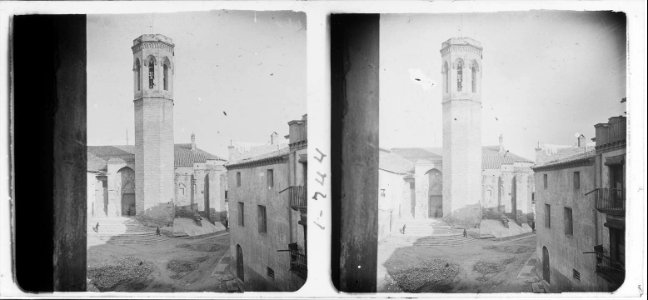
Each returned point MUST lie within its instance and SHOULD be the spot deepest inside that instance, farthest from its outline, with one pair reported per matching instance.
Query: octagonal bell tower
(462, 157)
(153, 69)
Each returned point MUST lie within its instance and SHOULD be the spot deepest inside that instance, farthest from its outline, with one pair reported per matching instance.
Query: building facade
(411, 184)
(580, 208)
(199, 185)
(396, 197)
(267, 206)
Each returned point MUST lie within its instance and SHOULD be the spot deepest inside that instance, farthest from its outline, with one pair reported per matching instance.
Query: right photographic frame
(479, 152)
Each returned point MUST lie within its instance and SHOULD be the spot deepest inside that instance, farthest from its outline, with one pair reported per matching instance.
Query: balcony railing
(297, 196)
(611, 270)
(297, 261)
(610, 201)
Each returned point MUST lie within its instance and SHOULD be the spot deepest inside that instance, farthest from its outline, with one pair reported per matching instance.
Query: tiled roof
(125, 152)
(416, 154)
(183, 155)
(260, 157)
(491, 158)
(567, 159)
(244, 151)
(549, 152)
(394, 163)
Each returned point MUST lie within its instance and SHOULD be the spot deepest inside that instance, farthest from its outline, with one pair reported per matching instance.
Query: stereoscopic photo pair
(469, 153)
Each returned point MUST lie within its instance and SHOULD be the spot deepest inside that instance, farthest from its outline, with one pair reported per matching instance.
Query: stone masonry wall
(154, 153)
(260, 249)
(565, 250)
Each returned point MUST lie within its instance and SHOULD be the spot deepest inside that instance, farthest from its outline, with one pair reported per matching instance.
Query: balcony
(610, 201)
(611, 270)
(297, 261)
(297, 196)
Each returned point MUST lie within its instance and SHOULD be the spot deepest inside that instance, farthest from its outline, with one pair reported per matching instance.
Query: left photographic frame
(172, 151)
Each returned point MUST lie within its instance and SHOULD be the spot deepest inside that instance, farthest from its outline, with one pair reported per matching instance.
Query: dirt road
(176, 264)
(478, 266)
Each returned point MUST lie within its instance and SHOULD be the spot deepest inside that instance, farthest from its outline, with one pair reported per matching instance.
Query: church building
(155, 179)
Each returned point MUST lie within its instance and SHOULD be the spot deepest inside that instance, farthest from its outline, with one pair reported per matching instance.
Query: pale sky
(546, 76)
(252, 65)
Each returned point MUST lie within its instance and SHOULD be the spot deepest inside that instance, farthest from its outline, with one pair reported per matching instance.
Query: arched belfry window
(446, 77)
(474, 68)
(460, 66)
(151, 72)
(138, 74)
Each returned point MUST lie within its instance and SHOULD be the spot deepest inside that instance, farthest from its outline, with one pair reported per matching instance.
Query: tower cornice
(461, 49)
(152, 45)
(450, 100)
(152, 97)
(156, 41)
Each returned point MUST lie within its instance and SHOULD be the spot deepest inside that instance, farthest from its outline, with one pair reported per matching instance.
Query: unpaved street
(175, 264)
(475, 266)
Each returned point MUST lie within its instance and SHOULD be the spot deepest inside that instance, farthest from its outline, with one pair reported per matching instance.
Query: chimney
(297, 130)
(274, 138)
(581, 141)
(501, 144)
(233, 152)
(193, 142)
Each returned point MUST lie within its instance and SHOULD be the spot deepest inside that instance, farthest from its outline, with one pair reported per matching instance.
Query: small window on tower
(473, 73)
(138, 74)
(446, 77)
(151, 73)
(460, 67)
(166, 77)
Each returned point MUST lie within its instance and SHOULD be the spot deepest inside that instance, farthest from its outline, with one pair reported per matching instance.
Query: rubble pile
(430, 274)
(128, 270)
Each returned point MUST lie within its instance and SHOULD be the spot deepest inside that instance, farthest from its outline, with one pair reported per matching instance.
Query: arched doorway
(206, 198)
(127, 184)
(239, 263)
(546, 275)
(435, 192)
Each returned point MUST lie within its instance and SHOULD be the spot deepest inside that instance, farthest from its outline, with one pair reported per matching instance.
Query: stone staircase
(432, 233)
(122, 231)
(430, 227)
(440, 241)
